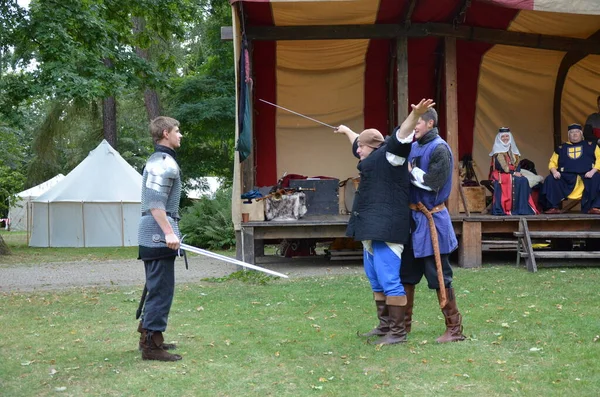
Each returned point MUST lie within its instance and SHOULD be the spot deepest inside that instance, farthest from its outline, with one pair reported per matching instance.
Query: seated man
(591, 131)
(573, 174)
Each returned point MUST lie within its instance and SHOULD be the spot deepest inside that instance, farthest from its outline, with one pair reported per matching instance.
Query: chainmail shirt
(167, 199)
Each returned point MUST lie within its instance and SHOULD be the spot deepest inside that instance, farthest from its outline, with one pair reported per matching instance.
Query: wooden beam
(469, 249)
(452, 118)
(571, 58)
(402, 78)
(461, 12)
(391, 88)
(388, 31)
(227, 33)
(409, 12)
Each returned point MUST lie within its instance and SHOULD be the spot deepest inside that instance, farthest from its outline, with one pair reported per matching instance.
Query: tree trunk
(3, 247)
(153, 109)
(109, 120)
(151, 100)
(109, 114)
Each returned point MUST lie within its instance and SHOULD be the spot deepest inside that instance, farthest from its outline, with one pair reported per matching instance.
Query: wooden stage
(471, 231)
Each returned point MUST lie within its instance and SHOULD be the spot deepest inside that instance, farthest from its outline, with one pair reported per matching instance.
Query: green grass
(529, 335)
(22, 254)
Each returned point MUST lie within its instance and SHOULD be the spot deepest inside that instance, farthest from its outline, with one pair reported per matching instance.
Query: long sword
(227, 259)
(298, 114)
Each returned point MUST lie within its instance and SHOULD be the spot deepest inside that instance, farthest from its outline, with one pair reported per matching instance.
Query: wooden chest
(475, 197)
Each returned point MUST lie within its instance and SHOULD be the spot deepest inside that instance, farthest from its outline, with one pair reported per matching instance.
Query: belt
(169, 214)
(435, 209)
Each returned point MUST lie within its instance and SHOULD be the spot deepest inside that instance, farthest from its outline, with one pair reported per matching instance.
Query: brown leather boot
(152, 350)
(453, 319)
(382, 314)
(397, 312)
(410, 300)
(143, 333)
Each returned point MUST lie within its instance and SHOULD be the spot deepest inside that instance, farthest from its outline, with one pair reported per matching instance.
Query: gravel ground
(54, 276)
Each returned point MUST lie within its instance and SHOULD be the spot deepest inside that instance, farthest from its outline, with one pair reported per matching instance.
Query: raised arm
(408, 125)
(342, 129)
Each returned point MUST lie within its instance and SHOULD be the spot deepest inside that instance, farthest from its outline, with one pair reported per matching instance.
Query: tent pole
(122, 226)
(28, 220)
(83, 222)
(452, 118)
(48, 216)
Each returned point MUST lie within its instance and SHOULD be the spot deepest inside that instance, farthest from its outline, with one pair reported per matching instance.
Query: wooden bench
(525, 246)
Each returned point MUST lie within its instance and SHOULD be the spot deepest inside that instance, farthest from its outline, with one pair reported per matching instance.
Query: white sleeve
(417, 179)
(397, 160)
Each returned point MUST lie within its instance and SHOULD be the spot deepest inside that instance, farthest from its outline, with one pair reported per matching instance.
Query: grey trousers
(160, 282)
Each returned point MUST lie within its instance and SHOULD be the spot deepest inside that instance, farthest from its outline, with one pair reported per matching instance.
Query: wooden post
(469, 249)
(452, 118)
(402, 77)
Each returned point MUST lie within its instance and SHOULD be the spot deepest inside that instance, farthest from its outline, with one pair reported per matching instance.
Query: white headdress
(501, 147)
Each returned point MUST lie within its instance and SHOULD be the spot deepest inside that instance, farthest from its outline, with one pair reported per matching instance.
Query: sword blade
(227, 259)
(298, 114)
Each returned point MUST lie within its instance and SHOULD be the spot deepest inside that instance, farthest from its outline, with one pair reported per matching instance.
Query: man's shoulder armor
(162, 165)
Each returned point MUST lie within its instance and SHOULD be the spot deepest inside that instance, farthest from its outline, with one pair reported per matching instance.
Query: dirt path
(53, 276)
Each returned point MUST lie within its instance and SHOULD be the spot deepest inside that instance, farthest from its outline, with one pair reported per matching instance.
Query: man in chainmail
(430, 166)
(158, 237)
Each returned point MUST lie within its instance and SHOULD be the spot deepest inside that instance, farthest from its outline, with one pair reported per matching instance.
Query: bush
(207, 223)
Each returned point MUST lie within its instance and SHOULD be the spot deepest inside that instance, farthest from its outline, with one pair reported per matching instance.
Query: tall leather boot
(453, 319)
(410, 300)
(397, 312)
(152, 350)
(143, 333)
(382, 314)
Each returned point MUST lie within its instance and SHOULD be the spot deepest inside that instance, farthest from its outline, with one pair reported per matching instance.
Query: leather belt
(435, 209)
(169, 214)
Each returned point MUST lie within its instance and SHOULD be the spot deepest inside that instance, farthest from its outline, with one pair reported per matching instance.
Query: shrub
(207, 223)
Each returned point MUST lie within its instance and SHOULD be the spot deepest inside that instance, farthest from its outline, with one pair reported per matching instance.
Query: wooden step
(555, 234)
(563, 254)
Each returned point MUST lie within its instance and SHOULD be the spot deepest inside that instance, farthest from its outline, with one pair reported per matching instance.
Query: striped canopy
(352, 81)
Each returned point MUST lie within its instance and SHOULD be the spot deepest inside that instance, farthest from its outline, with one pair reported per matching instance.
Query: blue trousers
(160, 282)
(383, 269)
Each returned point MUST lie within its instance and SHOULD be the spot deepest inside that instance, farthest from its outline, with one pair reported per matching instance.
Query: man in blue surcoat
(430, 165)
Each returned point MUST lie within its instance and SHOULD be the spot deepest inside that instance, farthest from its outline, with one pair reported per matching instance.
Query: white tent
(95, 205)
(20, 206)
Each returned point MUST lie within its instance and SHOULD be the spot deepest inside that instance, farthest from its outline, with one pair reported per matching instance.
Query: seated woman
(512, 194)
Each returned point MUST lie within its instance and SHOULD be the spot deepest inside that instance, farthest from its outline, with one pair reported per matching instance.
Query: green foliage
(59, 59)
(12, 178)
(203, 100)
(207, 223)
(245, 276)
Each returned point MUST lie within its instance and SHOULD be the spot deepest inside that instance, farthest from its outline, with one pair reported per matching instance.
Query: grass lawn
(529, 335)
